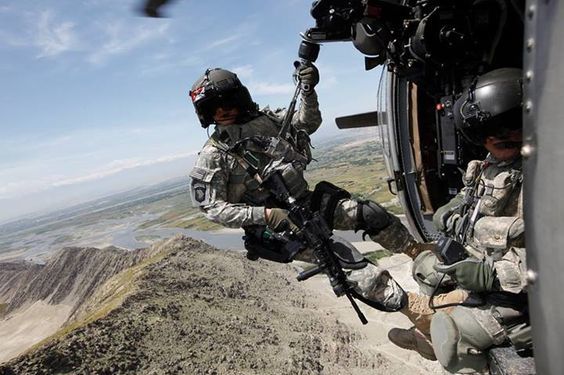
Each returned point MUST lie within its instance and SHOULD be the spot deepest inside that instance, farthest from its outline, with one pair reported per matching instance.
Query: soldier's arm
(444, 218)
(308, 116)
(209, 193)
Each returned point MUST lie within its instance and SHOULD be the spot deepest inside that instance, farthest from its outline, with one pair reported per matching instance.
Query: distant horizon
(63, 207)
(145, 177)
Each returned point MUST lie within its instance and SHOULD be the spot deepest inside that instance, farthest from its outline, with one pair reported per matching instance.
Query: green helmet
(220, 88)
(491, 107)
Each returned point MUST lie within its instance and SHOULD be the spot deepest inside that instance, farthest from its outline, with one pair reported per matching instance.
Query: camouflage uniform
(487, 218)
(497, 230)
(228, 195)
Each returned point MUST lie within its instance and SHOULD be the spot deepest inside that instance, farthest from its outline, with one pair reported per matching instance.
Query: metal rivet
(531, 276)
(529, 75)
(531, 12)
(530, 44)
(527, 150)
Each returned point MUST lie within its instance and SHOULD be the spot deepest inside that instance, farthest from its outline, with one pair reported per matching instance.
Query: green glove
(309, 77)
(277, 220)
(471, 274)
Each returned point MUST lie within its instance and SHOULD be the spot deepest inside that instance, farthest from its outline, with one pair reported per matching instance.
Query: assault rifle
(315, 234)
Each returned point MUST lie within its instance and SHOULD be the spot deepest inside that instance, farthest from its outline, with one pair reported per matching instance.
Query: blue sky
(91, 91)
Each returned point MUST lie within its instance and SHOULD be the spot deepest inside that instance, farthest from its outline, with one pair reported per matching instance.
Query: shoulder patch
(200, 193)
(200, 189)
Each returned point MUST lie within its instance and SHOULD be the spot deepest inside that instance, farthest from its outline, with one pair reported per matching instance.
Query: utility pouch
(292, 175)
(263, 243)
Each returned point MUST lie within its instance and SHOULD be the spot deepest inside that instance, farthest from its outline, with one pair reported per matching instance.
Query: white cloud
(224, 41)
(125, 38)
(24, 186)
(118, 166)
(40, 30)
(54, 38)
(166, 62)
(12, 40)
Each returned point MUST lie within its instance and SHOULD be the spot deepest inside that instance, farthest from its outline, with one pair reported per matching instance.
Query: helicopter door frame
(401, 158)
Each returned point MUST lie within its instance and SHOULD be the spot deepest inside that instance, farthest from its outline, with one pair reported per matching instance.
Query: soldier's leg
(418, 337)
(382, 226)
(461, 337)
(341, 212)
(418, 311)
(374, 285)
(412, 339)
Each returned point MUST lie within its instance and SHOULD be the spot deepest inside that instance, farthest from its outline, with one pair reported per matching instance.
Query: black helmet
(491, 107)
(219, 88)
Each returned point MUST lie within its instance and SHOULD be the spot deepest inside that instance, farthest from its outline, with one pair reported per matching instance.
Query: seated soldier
(486, 219)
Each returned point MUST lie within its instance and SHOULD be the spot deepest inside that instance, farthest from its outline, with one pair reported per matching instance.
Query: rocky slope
(36, 300)
(71, 276)
(193, 309)
(14, 277)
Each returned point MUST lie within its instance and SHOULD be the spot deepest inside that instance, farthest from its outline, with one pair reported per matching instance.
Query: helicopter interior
(431, 52)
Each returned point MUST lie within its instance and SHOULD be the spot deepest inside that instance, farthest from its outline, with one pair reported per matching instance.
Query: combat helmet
(491, 107)
(220, 88)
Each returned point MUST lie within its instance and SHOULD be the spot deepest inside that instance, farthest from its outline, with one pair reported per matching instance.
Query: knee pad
(372, 218)
(427, 277)
(461, 337)
(376, 288)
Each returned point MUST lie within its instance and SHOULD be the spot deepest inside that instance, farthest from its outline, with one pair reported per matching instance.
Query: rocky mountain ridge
(189, 308)
(72, 275)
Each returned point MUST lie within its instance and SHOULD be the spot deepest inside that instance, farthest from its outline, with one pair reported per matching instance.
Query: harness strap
(250, 168)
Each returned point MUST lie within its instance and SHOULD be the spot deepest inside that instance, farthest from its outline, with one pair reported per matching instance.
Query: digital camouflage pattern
(497, 233)
(230, 196)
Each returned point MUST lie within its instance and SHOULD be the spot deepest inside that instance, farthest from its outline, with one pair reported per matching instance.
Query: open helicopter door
(406, 121)
(425, 156)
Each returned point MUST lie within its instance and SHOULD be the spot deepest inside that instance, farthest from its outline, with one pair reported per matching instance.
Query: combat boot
(412, 339)
(418, 311)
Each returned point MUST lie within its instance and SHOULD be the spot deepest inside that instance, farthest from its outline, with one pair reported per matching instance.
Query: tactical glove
(309, 77)
(277, 220)
(471, 274)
